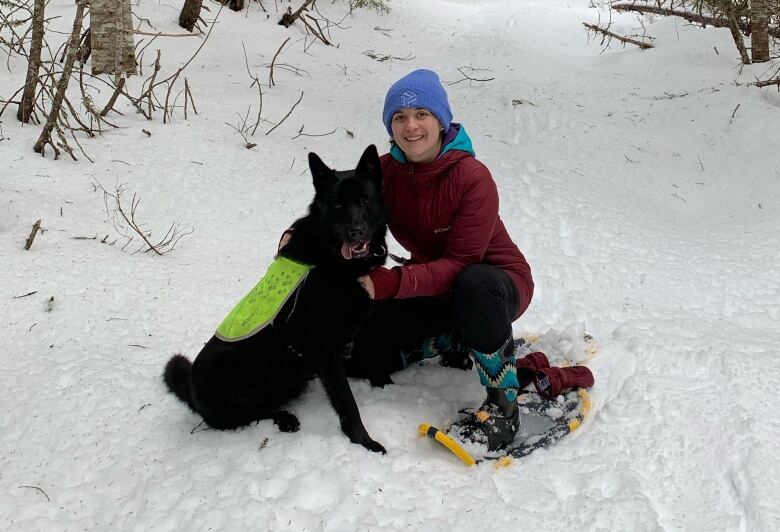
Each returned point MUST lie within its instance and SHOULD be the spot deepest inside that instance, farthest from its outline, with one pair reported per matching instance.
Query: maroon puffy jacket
(446, 214)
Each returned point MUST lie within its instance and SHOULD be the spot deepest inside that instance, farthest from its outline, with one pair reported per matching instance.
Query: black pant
(480, 310)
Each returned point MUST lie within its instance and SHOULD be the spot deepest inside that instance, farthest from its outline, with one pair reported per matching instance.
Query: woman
(466, 279)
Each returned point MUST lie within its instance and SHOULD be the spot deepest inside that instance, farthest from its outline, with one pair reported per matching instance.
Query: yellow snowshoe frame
(504, 460)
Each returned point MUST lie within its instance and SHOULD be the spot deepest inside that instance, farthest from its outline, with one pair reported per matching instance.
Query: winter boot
(456, 356)
(528, 366)
(495, 424)
(549, 382)
(429, 348)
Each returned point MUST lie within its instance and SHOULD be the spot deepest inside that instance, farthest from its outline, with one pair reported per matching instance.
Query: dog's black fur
(232, 384)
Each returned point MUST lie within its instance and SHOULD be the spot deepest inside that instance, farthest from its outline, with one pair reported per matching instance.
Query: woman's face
(418, 133)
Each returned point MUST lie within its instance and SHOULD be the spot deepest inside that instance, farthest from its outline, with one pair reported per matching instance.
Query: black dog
(233, 383)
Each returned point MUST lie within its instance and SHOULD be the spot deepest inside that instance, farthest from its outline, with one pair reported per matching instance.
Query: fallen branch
(288, 19)
(124, 223)
(317, 32)
(717, 22)
(606, 32)
(152, 34)
(687, 15)
(35, 228)
(767, 83)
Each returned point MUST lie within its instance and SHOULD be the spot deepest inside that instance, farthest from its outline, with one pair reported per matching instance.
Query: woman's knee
(474, 279)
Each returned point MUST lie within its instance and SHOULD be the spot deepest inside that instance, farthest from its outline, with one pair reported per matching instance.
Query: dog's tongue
(357, 250)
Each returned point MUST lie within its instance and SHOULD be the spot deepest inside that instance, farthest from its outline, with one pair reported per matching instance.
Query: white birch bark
(111, 24)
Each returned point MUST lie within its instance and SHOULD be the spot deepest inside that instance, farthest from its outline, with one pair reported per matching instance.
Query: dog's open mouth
(355, 250)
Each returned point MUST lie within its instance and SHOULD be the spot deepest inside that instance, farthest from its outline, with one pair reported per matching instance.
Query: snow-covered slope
(647, 206)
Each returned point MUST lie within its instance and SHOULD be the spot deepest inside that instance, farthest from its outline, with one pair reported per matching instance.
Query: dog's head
(349, 204)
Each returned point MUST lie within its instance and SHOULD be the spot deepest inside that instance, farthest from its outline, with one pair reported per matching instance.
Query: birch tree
(759, 30)
(111, 32)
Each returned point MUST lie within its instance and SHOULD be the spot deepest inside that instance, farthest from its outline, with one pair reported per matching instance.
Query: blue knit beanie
(420, 88)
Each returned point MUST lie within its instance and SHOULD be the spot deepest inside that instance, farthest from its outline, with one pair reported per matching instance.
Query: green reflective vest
(261, 305)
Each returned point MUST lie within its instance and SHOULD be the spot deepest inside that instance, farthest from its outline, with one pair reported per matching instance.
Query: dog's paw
(361, 437)
(380, 381)
(286, 421)
(373, 446)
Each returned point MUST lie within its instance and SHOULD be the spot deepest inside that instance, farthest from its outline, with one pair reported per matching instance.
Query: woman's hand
(367, 284)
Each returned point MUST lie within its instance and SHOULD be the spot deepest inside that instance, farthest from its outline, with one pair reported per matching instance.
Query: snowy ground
(647, 207)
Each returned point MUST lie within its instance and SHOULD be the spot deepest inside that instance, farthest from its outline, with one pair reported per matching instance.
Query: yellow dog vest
(262, 304)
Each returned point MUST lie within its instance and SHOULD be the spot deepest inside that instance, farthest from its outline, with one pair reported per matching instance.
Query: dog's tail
(177, 378)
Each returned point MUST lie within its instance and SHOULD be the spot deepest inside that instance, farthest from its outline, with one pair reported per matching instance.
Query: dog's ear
(369, 165)
(322, 176)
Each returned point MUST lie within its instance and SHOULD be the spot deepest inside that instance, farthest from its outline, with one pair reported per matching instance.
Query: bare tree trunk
(56, 105)
(759, 30)
(190, 14)
(33, 64)
(111, 25)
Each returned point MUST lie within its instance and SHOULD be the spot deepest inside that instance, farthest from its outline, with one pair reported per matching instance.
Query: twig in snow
(125, 223)
(271, 74)
(255, 80)
(39, 489)
(243, 129)
(611, 34)
(150, 34)
(466, 77)
(302, 134)
(35, 228)
(317, 32)
(767, 82)
(386, 57)
(194, 430)
(27, 294)
(285, 116)
(734, 113)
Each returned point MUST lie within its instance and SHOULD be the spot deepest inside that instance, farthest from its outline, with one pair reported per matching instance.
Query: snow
(641, 185)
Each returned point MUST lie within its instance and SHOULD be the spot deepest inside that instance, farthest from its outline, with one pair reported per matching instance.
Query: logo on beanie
(407, 98)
